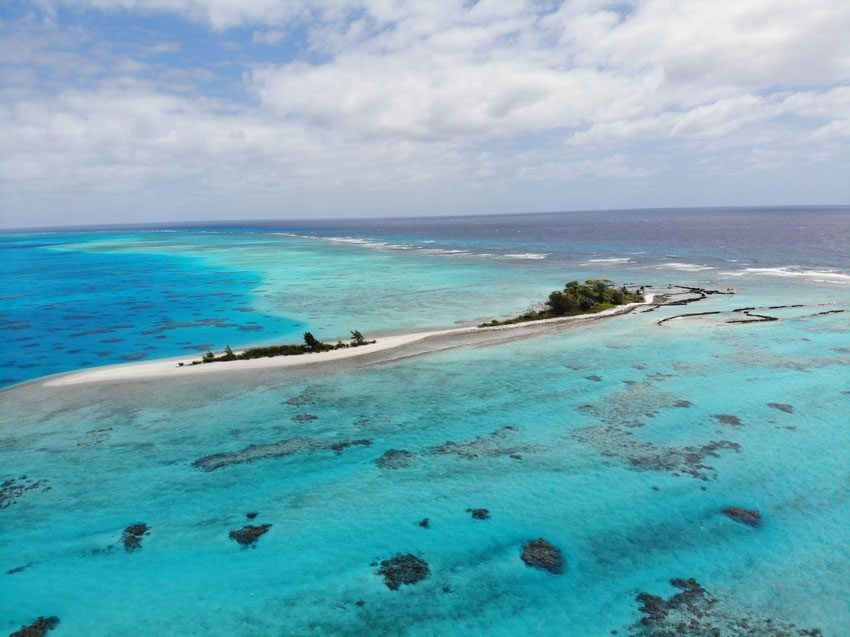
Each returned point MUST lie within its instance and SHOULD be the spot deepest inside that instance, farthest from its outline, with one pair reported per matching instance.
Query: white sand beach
(170, 368)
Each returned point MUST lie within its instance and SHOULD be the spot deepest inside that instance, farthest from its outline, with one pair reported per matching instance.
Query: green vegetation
(594, 295)
(311, 345)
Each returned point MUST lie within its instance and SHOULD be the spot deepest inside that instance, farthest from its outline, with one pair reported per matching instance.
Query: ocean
(622, 442)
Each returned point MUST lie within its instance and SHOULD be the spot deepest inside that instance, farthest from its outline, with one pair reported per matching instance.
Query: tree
(573, 286)
(562, 302)
(357, 338)
(311, 341)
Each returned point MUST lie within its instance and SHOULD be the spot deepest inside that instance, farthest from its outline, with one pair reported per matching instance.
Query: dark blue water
(769, 237)
(64, 310)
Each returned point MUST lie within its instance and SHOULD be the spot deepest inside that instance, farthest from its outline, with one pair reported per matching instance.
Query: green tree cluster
(589, 296)
(594, 295)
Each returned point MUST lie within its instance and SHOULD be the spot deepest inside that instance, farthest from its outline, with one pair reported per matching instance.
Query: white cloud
(270, 36)
(394, 96)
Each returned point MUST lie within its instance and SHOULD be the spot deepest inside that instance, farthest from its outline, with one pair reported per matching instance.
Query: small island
(590, 297)
(592, 300)
(311, 345)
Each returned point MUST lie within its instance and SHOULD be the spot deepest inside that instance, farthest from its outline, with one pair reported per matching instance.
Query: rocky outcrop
(248, 535)
(543, 555)
(133, 534)
(681, 316)
(39, 628)
(404, 568)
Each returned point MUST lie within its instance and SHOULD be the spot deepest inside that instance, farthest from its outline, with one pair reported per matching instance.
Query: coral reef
(404, 568)
(543, 555)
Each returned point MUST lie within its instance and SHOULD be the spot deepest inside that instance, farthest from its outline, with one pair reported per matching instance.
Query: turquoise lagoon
(604, 439)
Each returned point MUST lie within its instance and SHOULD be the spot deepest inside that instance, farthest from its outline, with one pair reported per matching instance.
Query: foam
(531, 256)
(821, 276)
(687, 267)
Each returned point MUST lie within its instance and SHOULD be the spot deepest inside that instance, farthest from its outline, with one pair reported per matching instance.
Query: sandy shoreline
(168, 367)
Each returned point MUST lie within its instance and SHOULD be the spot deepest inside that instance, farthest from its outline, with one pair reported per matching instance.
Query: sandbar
(170, 368)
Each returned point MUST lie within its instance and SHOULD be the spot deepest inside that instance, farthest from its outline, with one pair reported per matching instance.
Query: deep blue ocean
(622, 443)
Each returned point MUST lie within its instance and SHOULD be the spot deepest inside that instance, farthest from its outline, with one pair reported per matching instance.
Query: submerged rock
(306, 397)
(479, 514)
(251, 515)
(404, 568)
(543, 555)
(695, 611)
(682, 403)
(692, 600)
(614, 441)
(13, 488)
(492, 445)
(728, 419)
(395, 459)
(19, 569)
(304, 417)
(425, 523)
(94, 437)
(38, 628)
(788, 409)
(630, 405)
(249, 534)
(133, 534)
(279, 449)
(750, 517)
(340, 446)
(594, 377)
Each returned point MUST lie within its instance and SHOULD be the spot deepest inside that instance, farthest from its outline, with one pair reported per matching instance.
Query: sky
(115, 111)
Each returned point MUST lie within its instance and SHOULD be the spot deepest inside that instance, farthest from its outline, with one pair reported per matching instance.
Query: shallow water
(627, 474)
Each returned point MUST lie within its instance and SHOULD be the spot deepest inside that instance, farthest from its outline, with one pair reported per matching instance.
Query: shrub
(312, 342)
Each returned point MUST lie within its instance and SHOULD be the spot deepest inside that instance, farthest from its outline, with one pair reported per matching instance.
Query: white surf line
(169, 368)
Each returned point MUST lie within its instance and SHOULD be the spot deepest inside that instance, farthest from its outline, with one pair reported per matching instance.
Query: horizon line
(224, 222)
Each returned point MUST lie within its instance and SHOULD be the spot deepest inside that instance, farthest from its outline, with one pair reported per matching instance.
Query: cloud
(389, 97)
(271, 36)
